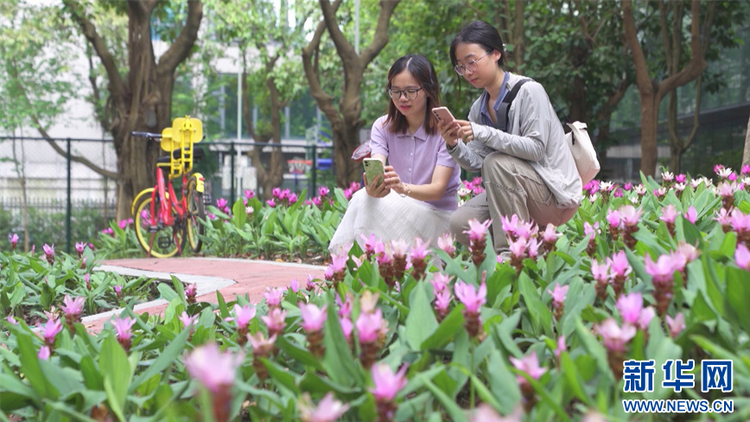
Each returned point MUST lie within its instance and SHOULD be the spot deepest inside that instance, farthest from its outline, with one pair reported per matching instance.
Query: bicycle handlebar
(147, 135)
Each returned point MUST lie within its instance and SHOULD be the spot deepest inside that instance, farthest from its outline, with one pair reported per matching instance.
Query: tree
(265, 34)
(139, 91)
(346, 119)
(746, 151)
(652, 89)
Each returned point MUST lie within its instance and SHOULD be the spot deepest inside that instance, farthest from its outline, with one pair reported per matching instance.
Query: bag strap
(507, 101)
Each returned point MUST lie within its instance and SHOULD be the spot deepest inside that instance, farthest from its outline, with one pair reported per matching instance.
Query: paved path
(232, 277)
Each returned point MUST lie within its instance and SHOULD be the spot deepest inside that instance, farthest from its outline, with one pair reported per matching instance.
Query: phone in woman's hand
(443, 114)
(373, 168)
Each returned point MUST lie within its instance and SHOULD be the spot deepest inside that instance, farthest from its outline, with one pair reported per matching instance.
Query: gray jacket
(534, 134)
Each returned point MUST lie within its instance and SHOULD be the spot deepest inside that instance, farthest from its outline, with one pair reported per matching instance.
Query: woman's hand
(393, 181)
(449, 133)
(464, 131)
(373, 189)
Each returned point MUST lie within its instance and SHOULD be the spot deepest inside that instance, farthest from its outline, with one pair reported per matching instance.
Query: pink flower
(627, 186)
(600, 271)
(726, 189)
(629, 215)
(590, 231)
(345, 307)
(387, 384)
(348, 193)
(485, 413)
(44, 353)
(347, 327)
(338, 263)
(644, 319)
(14, 241)
(690, 252)
(471, 297)
(669, 214)
(477, 230)
(550, 234)
(619, 265)
(80, 247)
(676, 325)
(613, 336)
(662, 270)
(323, 191)
(419, 250)
(723, 217)
(294, 285)
(51, 329)
(191, 290)
(440, 281)
(368, 326)
(739, 221)
(73, 307)
(691, 215)
(262, 346)
(742, 257)
(530, 365)
(213, 368)
(680, 178)
(630, 306)
(312, 317)
(49, 251)
(292, 198)
(560, 346)
(242, 315)
(123, 328)
(613, 218)
(442, 300)
(221, 203)
(187, 320)
(667, 176)
(271, 203)
(12, 320)
(249, 194)
(275, 320)
(118, 290)
(328, 410)
(274, 296)
(276, 192)
(660, 193)
(558, 294)
(399, 247)
(518, 248)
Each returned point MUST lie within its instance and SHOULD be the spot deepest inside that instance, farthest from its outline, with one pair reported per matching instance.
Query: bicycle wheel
(196, 214)
(159, 240)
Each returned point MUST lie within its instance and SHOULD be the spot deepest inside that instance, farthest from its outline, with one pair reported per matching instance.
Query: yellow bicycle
(165, 223)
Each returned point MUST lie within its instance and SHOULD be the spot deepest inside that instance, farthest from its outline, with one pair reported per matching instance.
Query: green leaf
(15, 393)
(446, 330)
(421, 322)
(456, 413)
(500, 380)
(338, 360)
(281, 375)
(738, 283)
(572, 377)
(167, 293)
(113, 363)
(660, 348)
(31, 369)
(297, 353)
(167, 358)
(540, 315)
(595, 349)
(239, 216)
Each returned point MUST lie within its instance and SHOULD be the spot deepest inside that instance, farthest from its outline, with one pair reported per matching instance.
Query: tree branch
(343, 46)
(180, 48)
(89, 32)
(664, 36)
(380, 39)
(99, 111)
(631, 42)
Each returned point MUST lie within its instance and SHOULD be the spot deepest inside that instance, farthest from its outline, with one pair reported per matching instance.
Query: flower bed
(558, 332)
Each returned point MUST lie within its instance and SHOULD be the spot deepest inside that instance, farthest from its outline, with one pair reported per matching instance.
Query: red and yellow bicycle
(164, 222)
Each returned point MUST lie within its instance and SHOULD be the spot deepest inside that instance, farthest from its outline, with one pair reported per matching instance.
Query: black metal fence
(52, 198)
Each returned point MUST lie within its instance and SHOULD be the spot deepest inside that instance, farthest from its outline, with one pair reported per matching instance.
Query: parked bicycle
(164, 222)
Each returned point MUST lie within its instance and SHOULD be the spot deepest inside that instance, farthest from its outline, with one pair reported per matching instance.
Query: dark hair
(423, 71)
(482, 33)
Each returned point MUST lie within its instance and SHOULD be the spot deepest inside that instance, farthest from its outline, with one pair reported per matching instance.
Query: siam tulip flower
(13, 241)
(723, 218)
(387, 387)
(691, 214)
(310, 284)
(328, 410)
(660, 192)
(615, 340)
(347, 327)
(510, 225)
(368, 244)
(242, 317)
(399, 248)
(560, 347)
(590, 232)
(726, 173)
(442, 303)
(271, 203)
(187, 320)
(629, 218)
(440, 282)
(313, 319)
(518, 252)
(276, 321)
(726, 191)
(190, 293)
(477, 240)
(368, 331)
(249, 211)
(592, 187)
(249, 194)
(473, 299)
(742, 257)
(558, 299)
(668, 216)
(640, 190)
(317, 201)
(284, 195)
(644, 319)
(262, 348)
(51, 329)
(274, 296)
(630, 307)
(662, 272)
(618, 193)
(533, 250)
(718, 168)
(49, 252)
(44, 353)
(417, 256)
(676, 325)
(12, 320)
(745, 170)
(124, 334)
(680, 178)
(679, 188)
(445, 242)
(216, 370)
(619, 270)
(118, 291)
(73, 309)
(276, 192)
(293, 198)
(345, 307)
(601, 276)
(221, 204)
(690, 252)
(83, 263)
(328, 274)
(338, 268)
(80, 247)
(530, 365)
(294, 285)
(613, 218)
(667, 177)
(741, 225)
(627, 187)
(549, 237)
(323, 191)
(348, 193)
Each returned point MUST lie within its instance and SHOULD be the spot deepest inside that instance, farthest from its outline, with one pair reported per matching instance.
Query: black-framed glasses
(471, 66)
(410, 93)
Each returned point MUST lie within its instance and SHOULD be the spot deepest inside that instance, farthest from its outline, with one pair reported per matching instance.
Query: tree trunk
(746, 153)
(649, 150)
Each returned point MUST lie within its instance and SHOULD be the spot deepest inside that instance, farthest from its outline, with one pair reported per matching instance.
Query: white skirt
(389, 218)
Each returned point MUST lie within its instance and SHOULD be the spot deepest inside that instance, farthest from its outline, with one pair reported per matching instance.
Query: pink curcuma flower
(663, 269)
(667, 177)
(477, 230)
(345, 306)
(188, 320)
(590, 231)
(271, 203)
(558, 294)
(680, 178)
(644, 319)
(12, 320)
(629, 215)
(669, 214)
(44, 353)
(600, 271)
(660, 193)
(347, 327)
(49, 252)
(13, 241)
(691, 214)
(51, 329)
(619, 265)
(123, 328)
(215, 369)
(242, 315)
(261, 345)
(550, 234)
(294, 285)
(471, 297)
(440, 281)
(530, 365)
(323, 191)
(442, 301)
(387, 384)
(676, 325)
(80, 246)
(560, 347)
(274, 296)
(630, 307)
(249, 194)
(368, 326)
(445, 243)
(221, 203)
(73, 307)
(313, 317)
(518, 248)
(328, 410)
(419, 250)
(742, 257)
(613, 218)
(275, 320)
(614, 337)
(690, 252)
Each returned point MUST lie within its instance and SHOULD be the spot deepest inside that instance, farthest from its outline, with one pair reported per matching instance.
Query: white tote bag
(584, 154)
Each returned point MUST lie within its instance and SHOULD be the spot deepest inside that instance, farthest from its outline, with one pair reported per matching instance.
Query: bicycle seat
(198, 153)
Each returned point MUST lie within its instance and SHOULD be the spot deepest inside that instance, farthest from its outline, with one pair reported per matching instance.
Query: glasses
(410, 93)
(471, 66)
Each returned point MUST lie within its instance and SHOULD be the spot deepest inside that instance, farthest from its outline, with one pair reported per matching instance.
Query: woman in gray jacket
(527, 169)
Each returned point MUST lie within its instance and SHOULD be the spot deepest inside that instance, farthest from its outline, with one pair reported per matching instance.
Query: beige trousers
(511, 186)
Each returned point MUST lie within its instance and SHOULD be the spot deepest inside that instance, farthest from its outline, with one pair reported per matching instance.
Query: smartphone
(443, 114)
(373, 167)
